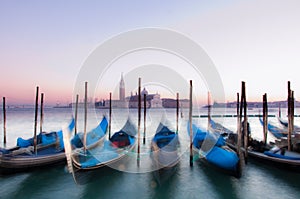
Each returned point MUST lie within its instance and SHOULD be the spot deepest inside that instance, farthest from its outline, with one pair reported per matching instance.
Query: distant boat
(218, 155)
(104, 154)
(164, 153)
(50, 150)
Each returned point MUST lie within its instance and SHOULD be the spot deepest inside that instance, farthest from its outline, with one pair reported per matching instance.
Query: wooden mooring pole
(109, 124)
(239, 138)
(292, 110)
(239, 132)
(265, 117)
(245, 125)
(289, 117)
(279, 110)
(208, 111)
(35, 120)
(85, 116)
(4, 121)
(76, 114)
(42, 113)
(139, 121)
(190, 120)
(177, 111)
(145, 112)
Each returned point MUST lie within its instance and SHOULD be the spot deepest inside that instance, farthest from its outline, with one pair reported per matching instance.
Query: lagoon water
(199, 181)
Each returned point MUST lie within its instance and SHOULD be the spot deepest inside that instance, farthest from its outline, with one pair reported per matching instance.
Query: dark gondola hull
(163, 174)
(164, 153)
(290, 165)
(162, 171)
(49, 152)
(11, 165)
(82, 177)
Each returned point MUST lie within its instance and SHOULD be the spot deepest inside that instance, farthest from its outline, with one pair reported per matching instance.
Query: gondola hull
(275, 131)
(286, 164)
(260, 152)
(97, 161)
(106, 154)
(23, 162)
(164, 153)
(236, 172)
(18, 159)
(218, 155)
(164, 161)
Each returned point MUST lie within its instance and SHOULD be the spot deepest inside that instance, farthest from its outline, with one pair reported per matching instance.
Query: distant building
(121, 103)
(156, 102)
(172, 103)
(252, 105)
(152, 100)
(122, 89)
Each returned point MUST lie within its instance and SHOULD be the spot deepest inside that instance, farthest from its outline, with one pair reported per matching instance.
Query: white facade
(156, 102)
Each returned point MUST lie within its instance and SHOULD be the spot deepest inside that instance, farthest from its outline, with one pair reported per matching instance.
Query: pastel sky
(45, 43)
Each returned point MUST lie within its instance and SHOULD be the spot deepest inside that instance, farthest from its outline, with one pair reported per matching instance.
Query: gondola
(103, 155)
(268, 153)
(285, 124)
(282, 122)
(164, 153)
(275, 131)
(49, 151)
(212, 150)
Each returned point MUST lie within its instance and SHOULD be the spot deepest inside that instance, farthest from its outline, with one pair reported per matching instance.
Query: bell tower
(122, 89)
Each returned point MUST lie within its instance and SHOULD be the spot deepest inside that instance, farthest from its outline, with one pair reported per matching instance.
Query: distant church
(121, 103)
(152, 100)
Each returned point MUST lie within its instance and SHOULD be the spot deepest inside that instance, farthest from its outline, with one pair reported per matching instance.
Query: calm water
(199, 181)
